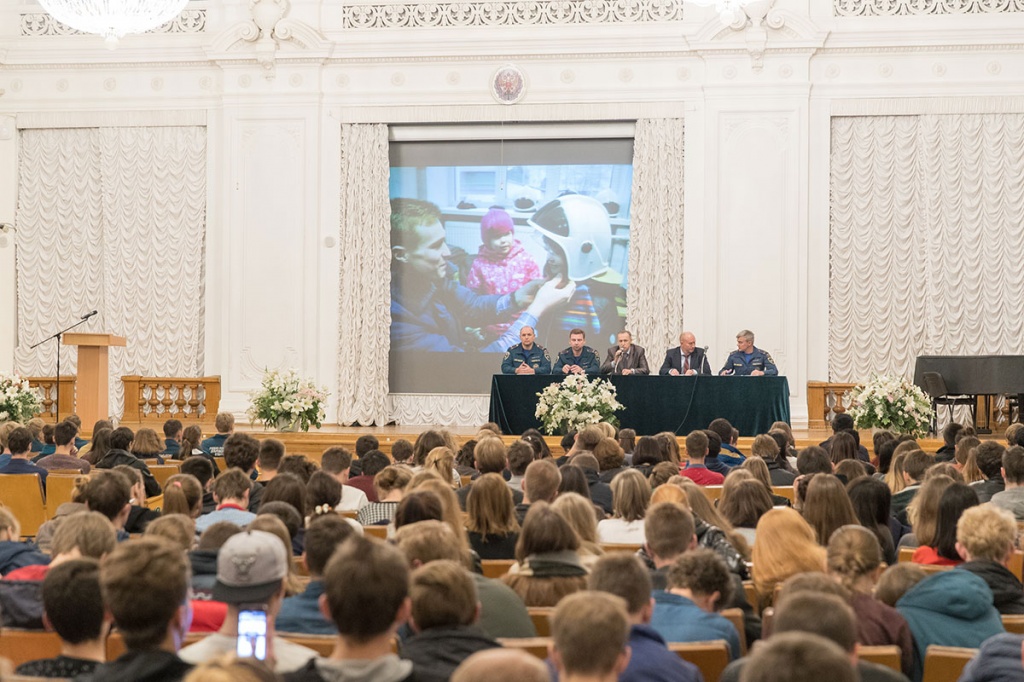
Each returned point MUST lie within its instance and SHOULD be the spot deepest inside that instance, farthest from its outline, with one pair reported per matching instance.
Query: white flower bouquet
(18, 401)
(287, 402)
(892, 403)
(577, 402)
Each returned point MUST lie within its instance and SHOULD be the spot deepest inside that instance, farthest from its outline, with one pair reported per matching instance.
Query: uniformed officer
(577, 358)
(747, 360)
(526, 357)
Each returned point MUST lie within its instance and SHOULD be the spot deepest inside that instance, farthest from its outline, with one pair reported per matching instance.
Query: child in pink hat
(502, 264)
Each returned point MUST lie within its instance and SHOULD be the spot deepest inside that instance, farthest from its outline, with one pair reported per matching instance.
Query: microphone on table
(88, 315)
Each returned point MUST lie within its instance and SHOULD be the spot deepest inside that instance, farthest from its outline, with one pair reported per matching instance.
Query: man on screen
(577, 358)
(429, 311)
(626, 357)
(526, 357)
(747, 360)
(686, 359)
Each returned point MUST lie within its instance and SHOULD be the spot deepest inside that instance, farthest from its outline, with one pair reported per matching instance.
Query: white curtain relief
(365, 276)
(926, 240)
(438, 410)
(655, 293)
(113, 219)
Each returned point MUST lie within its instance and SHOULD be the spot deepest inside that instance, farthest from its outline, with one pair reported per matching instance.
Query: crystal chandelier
(113, 18)
(728, 10)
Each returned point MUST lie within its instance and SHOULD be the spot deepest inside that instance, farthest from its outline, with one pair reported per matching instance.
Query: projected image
(479, 252)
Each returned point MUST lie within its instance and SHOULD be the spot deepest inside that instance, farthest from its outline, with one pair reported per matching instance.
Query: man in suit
(685, 360)
(625, 358)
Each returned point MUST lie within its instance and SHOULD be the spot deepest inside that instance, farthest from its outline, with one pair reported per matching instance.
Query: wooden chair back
(945, 663)
(753, 598)
(623, 547)
(1016, 564)
(712, 492)
(380, 532)
(465, 480)
(59, 488)
(350, 514)
(21, 646)
(161, 472)
(784, 491)
(906, 554)
(535, 646)
(711, 657)
(22, 494)
(1014, 623)
(156, 503)
(767, 620)
(541, 617)
(496, 568)
(735, 616)
(300, 566)
(933, 568)
(887, 655)
(221, 463)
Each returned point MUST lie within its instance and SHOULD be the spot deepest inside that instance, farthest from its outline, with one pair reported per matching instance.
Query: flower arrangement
(575, 403)
(287, 402)
(892, 403)
(18, 402)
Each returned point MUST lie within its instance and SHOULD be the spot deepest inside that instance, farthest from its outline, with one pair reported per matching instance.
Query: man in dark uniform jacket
(747, 360)
(686, 359)
(526, 357)
(625, 358)
(577, 358)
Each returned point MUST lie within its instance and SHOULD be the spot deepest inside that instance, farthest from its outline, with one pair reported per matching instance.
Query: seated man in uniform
(685, 359)
(747, 360)
(432, 312)
(577, 358)
(526, 357)
(626, 357)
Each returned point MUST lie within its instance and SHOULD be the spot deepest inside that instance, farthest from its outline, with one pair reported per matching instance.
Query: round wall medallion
(508, 85)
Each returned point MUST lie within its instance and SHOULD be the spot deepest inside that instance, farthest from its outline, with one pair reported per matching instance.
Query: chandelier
(113, 18)
(728, 10)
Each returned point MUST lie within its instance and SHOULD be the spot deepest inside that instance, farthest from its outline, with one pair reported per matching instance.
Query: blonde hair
(630, 495)
(786, 545)
(971, 471)
(894, 478)
(147, 443)
(607, 429)
(670, 492)
(9, 524)
(489, 507)
(578, 512)
(987, 532)
(758, 470)
(178, 528)
(442, 460)
(702, 509)
(451, 513)
(765, 447)
(923, 510)
(443, 594)
(853, 553)
(5, 431)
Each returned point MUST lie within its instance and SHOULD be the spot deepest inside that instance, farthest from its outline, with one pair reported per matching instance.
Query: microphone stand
(57, 336)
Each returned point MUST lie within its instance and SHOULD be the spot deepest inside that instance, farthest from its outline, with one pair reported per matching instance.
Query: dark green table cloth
(656, 403)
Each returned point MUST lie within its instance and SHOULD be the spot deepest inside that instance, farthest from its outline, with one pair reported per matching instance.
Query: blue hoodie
(951, 608)
(18, 555)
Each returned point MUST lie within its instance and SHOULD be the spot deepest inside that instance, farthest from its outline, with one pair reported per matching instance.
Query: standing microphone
(88, 315)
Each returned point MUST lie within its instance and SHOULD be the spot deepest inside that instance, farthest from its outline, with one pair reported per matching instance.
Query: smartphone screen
(252, 634)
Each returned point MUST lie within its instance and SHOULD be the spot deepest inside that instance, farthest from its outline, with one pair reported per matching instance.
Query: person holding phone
(251, 571)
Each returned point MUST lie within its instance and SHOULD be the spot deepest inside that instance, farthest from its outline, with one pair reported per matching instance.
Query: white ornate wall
(757, 101)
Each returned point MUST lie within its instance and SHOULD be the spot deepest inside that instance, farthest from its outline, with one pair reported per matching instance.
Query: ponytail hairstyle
(853, 553)
(183, 494)
(191, 437)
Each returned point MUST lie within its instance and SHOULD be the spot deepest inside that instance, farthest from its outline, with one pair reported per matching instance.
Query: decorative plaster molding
(268, 29)
(509, 13)
(891, 8)
(42, 24)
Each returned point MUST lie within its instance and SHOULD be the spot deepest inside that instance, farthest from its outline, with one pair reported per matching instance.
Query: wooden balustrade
(47, 387)
(824, 401)
(157, 399)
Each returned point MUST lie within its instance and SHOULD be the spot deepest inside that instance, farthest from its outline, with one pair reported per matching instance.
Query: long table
(656, 403)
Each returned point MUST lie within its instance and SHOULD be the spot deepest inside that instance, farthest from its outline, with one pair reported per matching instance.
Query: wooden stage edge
(315, 441)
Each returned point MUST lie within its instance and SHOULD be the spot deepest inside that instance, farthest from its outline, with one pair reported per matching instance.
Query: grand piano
(975, 375)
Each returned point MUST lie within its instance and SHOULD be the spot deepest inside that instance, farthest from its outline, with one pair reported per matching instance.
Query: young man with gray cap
(251, 568)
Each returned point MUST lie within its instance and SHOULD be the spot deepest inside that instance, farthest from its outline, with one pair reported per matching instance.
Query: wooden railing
(824, 401)
(48, 394)
(157, 399)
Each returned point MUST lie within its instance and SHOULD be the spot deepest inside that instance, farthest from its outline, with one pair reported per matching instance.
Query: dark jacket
(987, 488)
(139, 518)
(141, 666)
(436, 653)
(716, 465)
(204, 572)
(713, 538)
(21, 604)
(945, 453)
(18, 555)
(951, 608)
(779, 476)
(1007, 591)
(998, 661)
(115, 458)
(600, 493)
(651, 661)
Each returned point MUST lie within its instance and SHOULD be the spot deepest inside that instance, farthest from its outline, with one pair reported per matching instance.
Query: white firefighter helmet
(579, 225)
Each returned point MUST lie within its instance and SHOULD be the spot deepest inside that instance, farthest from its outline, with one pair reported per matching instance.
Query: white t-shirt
(352, 499)
(621, 532)
(288, 655)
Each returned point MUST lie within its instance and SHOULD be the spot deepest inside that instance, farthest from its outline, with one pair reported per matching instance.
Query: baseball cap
(250, 567)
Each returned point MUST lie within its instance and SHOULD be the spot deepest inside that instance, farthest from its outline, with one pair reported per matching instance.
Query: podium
(92, 399)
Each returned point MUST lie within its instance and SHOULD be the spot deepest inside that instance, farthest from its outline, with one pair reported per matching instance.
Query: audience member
(19, 442)
(985, 538)
(110, 494)
(491, 518)
(62, 457)
(178, 528)
(540, 484)
(120, 453)
(73, 608)
(153, 628)
(520, 454)
(202, 469)
(949, 434)
(174, 430)
(501, 665)
(139, 516)
(183, 494)
(1012, 498)
(989, 458)
(338, 463)
(744, 501)
(896, 580)
(923, 512)
(401, 451)
(600, 492)
(871, 500)
(813, 460)
(827, 506)
(590, 637)
(147, 445)
(623, 575)
(610, 458)
(695, 470)
(241, 452)
(630, 496)
(578, 512)
(998, 660)
(251, 569)
(955, 499)
(214, 445)
(390, 485)
(269, 459)
(915, 464)
(191, 440)
(549, 565)
(302, 613)
(372, 463)
(786, 545)
(231, 492)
